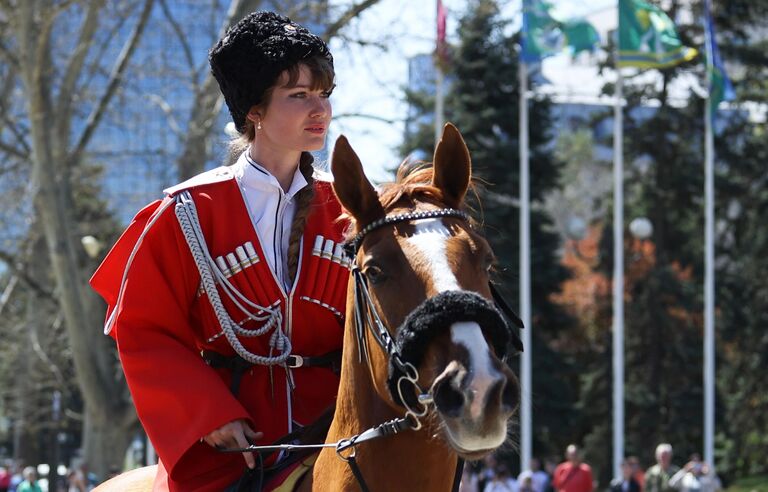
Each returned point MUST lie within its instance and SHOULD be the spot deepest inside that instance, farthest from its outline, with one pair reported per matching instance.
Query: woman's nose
(321, 107)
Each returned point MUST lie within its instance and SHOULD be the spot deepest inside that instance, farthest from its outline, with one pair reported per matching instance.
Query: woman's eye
(299, 95)
(326, 94)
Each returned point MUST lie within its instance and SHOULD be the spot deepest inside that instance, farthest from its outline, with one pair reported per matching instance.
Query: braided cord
(186, 213)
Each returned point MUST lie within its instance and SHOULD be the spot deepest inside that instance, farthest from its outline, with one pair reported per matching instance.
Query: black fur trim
(434, 316)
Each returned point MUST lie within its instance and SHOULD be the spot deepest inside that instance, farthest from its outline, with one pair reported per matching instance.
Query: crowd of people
(15, 477)
(574, 475)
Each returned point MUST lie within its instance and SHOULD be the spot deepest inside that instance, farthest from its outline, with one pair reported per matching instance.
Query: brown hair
(323, 75)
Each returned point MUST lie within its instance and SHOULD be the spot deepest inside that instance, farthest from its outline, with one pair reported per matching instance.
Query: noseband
(424, 323)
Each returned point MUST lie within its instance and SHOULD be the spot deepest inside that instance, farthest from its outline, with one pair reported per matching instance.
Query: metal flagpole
(439, 103)
(525, 276)
(618, 277)
(709, 271)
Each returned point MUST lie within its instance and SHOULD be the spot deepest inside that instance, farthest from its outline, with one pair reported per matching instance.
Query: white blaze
(430, 238)
(482, 373)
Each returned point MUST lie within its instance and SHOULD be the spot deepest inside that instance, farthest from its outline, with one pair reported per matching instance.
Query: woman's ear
(254, 115)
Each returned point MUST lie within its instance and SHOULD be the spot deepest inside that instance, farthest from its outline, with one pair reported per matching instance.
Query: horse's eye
(490, 262)
(374, 274)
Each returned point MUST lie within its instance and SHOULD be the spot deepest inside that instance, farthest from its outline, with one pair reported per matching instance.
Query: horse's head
(424, 272)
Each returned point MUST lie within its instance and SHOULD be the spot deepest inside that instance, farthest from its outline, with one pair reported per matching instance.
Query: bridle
(402, 369)
(403, 375)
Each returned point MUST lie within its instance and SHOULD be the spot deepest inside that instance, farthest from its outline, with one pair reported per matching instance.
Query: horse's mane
(413, 183)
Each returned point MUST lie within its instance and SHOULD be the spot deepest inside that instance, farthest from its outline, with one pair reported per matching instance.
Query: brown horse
(419, 315)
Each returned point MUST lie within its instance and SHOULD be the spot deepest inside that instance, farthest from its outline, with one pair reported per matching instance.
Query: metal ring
(424, 407)
(343, 445)
(415, 418)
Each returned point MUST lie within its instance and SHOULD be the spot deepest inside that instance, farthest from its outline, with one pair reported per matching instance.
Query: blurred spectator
(572, 475)
(657, 477)
(627, 482)
(502, 480)
(5, 479)
(525, 482)
(74, 482)
(539, 478)
(470, 481)
(30, 481)
(696, 476)
(637, 471)
(487, 471)
(16, 477)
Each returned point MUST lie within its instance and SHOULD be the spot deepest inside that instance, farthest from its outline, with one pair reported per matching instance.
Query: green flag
(647, 37)
(580, 35)
(543, 35)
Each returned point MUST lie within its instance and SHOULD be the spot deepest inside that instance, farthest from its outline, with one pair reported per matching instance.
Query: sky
(368, 102)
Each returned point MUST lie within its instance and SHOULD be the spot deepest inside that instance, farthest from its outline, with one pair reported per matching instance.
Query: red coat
(163, 321)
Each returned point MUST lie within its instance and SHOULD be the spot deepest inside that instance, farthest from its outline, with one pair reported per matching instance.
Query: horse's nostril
(448, 400)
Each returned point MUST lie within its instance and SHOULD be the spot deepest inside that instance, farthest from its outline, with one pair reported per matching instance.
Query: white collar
(254, 175)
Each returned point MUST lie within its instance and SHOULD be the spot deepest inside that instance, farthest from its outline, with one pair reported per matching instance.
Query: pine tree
(483, 102)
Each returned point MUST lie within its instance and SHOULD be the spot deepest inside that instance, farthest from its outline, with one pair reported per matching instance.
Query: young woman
(225, 297)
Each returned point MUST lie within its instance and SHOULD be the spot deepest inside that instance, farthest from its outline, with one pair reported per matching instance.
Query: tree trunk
(105, 440)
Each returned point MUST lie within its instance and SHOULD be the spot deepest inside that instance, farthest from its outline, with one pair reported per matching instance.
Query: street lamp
(641, 228)
(91, 245)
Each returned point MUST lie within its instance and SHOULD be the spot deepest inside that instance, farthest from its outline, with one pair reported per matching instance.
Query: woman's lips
(318, 130)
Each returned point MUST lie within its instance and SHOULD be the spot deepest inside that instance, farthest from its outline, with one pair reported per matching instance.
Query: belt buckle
(294, 361)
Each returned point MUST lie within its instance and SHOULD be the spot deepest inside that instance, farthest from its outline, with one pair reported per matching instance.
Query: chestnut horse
(424, 343)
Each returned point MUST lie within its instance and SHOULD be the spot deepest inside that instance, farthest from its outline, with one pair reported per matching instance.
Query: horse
(424, 381)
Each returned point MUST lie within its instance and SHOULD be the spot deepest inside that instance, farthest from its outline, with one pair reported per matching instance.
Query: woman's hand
(235, 435)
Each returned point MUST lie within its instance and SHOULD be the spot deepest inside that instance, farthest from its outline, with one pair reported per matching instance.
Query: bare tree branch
(114, 81)
(20, 271)
(75, 65)
(343, 20)
(368, 117)
(13, 151)
(206, 104)
(183, 40)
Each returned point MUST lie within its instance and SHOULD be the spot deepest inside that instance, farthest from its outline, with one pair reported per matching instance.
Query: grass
(750, 484)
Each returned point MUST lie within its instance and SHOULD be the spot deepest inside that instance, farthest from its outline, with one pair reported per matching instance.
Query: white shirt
(271, 210)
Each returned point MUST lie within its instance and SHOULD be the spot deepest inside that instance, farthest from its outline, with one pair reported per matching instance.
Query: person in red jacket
(226, 297)
(573, 475)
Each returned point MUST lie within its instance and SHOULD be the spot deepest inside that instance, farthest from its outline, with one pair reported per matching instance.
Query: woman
(225, 297)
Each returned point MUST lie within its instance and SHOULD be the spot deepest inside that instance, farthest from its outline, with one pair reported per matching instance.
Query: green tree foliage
(664, 181)
(482, 100)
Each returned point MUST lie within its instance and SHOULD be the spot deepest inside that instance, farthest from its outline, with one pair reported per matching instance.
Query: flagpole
(525, 276)
(439, 102)
(618, 276)
(709, 262)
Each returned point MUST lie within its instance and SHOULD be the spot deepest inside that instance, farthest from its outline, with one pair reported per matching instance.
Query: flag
(720, 88)
(647, 37)
(580, 35)
(544, 35)
(442, 45)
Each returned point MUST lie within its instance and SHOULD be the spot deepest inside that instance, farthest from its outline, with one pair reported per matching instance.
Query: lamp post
(91, 245)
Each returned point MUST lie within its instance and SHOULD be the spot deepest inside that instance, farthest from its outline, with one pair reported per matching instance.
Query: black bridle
(402, 369)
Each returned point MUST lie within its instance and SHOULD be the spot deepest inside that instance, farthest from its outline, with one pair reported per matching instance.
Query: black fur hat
(253, 53)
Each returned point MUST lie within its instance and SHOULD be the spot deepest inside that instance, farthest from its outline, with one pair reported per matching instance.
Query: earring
(258, 125)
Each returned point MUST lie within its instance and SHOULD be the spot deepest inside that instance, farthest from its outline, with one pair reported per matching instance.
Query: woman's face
(297, 117)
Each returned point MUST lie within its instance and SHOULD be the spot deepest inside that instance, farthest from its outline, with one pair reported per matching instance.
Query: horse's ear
(352, 188)
(452, 166)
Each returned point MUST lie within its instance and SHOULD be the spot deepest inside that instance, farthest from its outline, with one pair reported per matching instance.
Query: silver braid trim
(210, 274)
